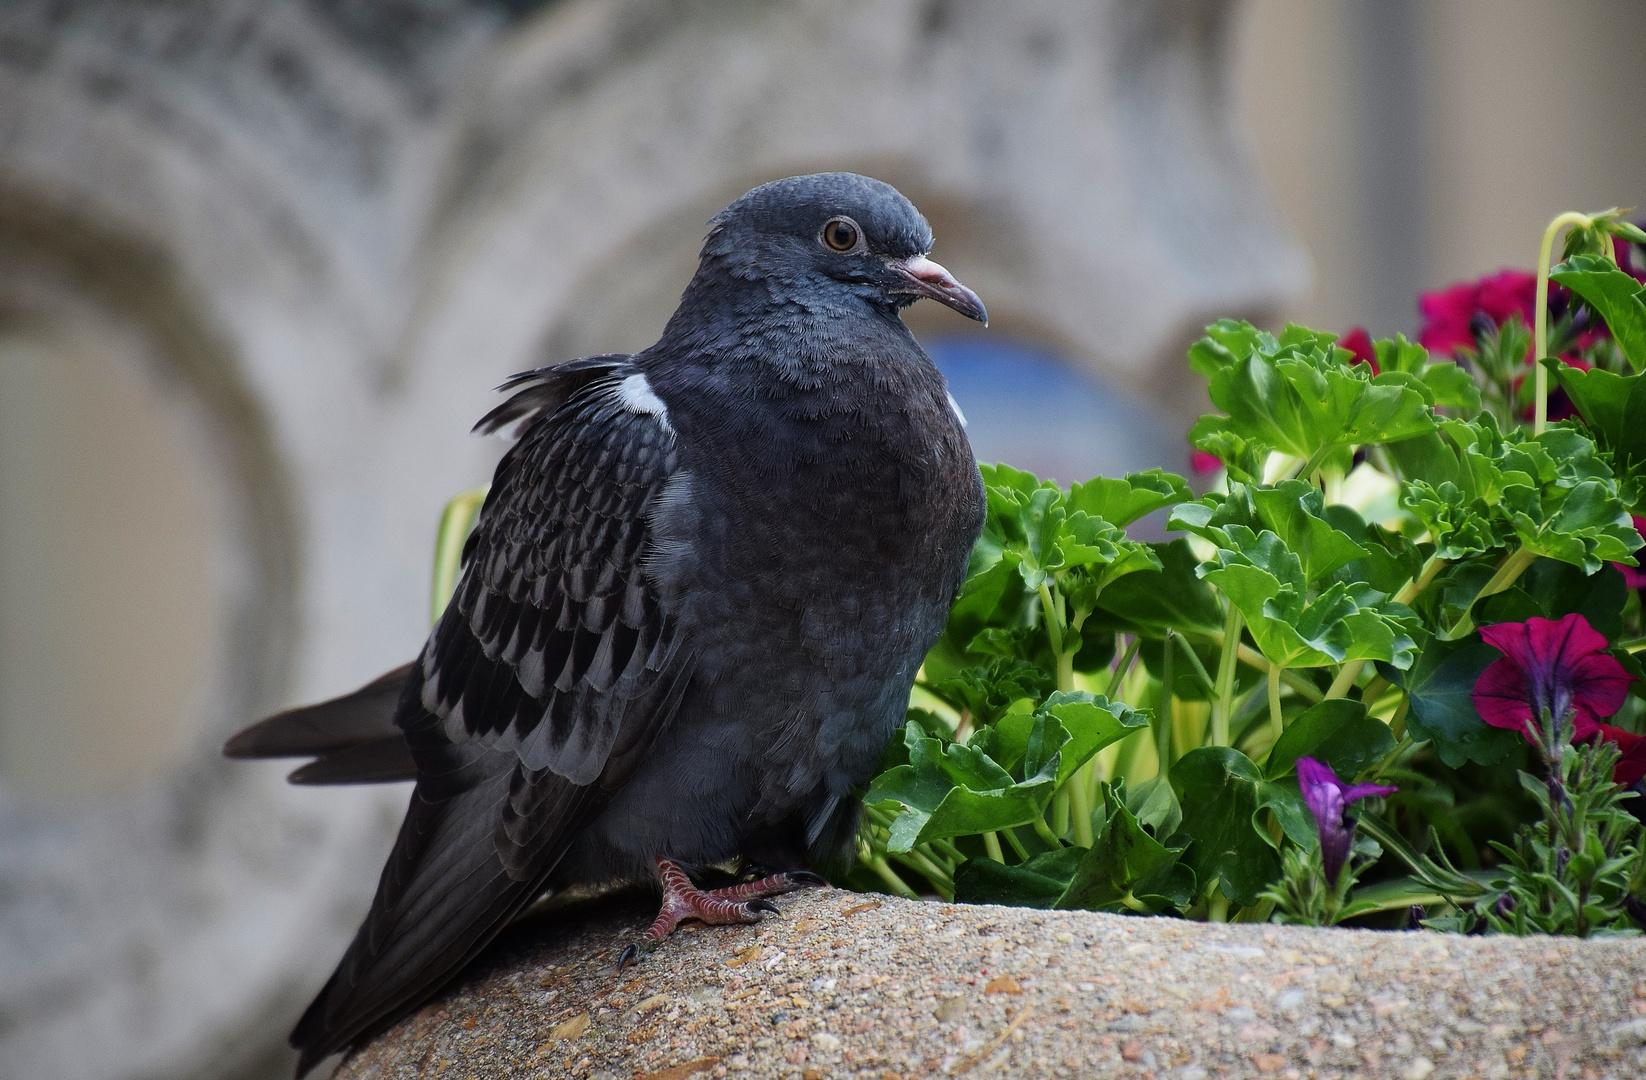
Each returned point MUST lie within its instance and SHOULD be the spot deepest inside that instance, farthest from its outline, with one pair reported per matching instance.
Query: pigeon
(689, 613)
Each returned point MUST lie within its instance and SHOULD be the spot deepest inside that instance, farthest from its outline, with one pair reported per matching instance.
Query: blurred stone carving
(326, 228)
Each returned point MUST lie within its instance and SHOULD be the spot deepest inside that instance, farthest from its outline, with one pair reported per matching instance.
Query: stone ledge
(846, 984)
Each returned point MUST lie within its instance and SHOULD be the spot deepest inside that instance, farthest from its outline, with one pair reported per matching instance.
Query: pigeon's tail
(447, 890)
(353, 738)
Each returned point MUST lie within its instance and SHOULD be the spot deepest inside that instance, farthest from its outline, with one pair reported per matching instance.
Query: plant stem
(455, 522)
(1163, 713)
(1054, 618)
(1254, 659)
(1060, 810)
(1397, 722)
(1217, 905)
(1080, 807)
(1414, 588)
(1315, 461)
(991, 846)
(898, 886)
(924, 867)
(1508, 572)
(1346, 676)
(1276, 724)
(1125, 666)
(1540, 314)
(1017, 845)
(1226, 677)
(1054, 632)
(1042, 830)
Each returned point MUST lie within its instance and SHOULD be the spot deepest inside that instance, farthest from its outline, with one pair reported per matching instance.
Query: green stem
(1060, 811)
(1414, 588)
(1397, 722)
(898, 886)
(1124, 666)
(1315, 461)
(1134, 904)
(948, 850)
(926, 869)
(1054, 620)
(1042, 830)
(930, 866)
(991, 846)
(1163, 713)
(1540, 314)
(1080, 807)
(1254, 659)
(1226, 677)
(1508, 572)
(1017, 845)
(1405, 744)
(1346, 676)
(455, 522)
(1217, 905)
(930, 854)
(1276, 725)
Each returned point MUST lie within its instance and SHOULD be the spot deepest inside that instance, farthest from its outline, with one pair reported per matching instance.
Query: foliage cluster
(1115, 725)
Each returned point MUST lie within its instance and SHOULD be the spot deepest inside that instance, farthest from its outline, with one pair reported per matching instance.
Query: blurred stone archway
(330, 227)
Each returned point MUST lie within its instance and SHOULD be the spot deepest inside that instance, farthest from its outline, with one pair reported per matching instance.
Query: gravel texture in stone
(845, 984)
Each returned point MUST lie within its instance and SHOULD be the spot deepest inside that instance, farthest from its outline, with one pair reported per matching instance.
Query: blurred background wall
(261, 261)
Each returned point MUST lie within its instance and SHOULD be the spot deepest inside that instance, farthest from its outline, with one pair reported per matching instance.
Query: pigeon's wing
(550, 675)
(354, 737)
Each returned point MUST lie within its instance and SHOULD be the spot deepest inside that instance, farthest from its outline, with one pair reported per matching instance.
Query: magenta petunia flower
(1204, 463)
(1635, 576)
(1328, 798)
(1631, 767)
(1628, 258)
(1359, 342)
(1558, 665)
(1448, 313)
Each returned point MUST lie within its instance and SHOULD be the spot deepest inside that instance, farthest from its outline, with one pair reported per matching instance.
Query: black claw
(765, 906)
(629, 955)
(806, 877)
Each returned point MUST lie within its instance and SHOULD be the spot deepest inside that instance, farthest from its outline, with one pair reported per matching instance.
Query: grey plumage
(692, 606)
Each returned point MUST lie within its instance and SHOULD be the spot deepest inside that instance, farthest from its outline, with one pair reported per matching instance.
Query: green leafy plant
(1115, 725)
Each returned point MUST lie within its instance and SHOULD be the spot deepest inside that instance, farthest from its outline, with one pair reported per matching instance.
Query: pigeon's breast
(811, 543)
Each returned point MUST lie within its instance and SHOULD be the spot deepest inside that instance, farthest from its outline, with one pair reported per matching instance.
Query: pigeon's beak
(927, 278)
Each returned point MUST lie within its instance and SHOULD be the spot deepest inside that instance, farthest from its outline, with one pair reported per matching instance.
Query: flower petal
(1631, 767)
(1356, 792)
(1501, 697)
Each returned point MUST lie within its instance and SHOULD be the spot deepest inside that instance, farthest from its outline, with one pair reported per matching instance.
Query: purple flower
(1327, 798)
(1556, 665)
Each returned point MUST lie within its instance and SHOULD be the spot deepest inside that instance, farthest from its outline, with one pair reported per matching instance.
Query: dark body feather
(689, 616)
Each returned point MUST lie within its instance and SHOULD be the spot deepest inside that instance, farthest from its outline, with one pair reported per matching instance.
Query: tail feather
(354, 737)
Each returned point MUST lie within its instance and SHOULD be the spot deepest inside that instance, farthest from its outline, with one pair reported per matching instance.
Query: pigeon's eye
(841, 233)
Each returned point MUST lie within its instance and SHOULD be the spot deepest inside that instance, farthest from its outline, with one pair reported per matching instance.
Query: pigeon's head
(836, 236)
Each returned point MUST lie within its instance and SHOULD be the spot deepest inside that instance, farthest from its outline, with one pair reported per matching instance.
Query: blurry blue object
(1028, 408)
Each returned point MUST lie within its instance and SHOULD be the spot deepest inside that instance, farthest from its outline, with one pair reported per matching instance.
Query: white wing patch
(637, 396)
(955, 405)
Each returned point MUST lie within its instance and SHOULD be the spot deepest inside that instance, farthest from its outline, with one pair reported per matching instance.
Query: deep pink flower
(1448, 313)
(1203, 463)
(1359, 342)
(1634, 577)
(1631, 767)
(1328, 798)
(1558, 665)
(1628, 259)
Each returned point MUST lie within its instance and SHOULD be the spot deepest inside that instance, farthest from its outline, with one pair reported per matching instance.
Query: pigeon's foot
(682, 900)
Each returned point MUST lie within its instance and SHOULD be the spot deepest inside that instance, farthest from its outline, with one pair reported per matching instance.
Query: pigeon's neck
(770, 332)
